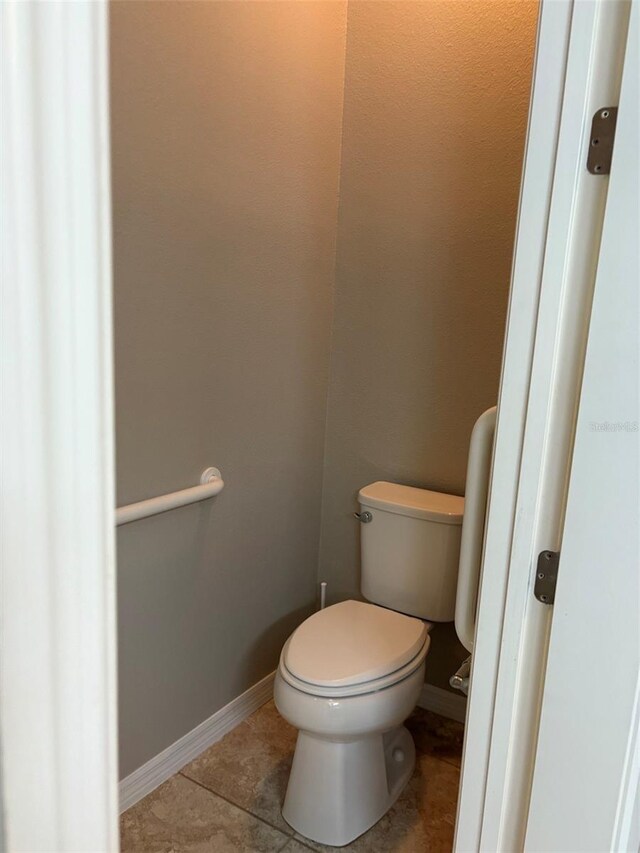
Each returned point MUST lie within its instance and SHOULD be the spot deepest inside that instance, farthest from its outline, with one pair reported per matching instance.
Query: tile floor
(229, 798)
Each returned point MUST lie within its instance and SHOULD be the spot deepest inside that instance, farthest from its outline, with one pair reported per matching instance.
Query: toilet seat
(377, 684)
(353, 648)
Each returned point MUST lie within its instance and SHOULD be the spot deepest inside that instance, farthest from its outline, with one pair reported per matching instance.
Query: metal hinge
(546, 576)
(603, 134)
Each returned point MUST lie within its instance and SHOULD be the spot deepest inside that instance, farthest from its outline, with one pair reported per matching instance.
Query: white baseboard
(160, 768)
(443, 702)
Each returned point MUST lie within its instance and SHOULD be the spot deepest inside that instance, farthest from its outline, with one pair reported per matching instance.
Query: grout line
(237, 806)
(302, 844)
(286, 844)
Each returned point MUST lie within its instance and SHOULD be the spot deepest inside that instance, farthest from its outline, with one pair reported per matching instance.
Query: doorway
(68, 360)
(314, 216)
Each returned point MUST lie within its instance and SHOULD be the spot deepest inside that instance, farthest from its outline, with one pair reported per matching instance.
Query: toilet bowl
(348, 678)
(350, 675)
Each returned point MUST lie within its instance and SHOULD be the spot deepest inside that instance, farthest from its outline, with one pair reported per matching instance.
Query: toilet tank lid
(417, 503)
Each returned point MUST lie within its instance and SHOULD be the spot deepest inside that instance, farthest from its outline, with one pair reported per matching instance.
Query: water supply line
(460, 681)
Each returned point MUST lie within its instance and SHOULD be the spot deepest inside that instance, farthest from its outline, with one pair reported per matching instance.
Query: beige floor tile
(436, 736)
(423, 819)
(181, 817)
(250, 766)
(267, 723)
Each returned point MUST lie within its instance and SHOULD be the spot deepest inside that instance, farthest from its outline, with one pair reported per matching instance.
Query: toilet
(350, 675)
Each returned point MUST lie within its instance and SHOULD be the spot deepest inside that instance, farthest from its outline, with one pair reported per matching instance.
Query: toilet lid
(351, 643)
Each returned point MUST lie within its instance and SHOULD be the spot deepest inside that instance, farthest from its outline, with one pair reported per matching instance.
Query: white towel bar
(211, 484)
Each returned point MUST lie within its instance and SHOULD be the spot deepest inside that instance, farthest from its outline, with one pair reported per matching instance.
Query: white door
(511, 785)
(585, 781)
(579, 62)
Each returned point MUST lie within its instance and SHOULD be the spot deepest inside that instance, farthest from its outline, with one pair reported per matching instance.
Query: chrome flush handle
(363, 517)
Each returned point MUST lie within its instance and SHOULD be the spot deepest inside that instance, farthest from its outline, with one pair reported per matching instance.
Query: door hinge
(546, 576)
(603, 134)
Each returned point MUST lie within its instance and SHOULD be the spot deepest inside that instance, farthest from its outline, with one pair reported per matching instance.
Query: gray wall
(226, 135)
(226, 131)
(436, 100)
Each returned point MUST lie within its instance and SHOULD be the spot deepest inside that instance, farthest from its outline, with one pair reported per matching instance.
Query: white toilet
(351, 674)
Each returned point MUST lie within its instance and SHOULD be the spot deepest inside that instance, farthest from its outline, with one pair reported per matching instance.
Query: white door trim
(586, 757)
(58, 650)
(577, 70)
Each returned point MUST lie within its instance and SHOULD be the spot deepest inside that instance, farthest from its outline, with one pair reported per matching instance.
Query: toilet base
(338, 789)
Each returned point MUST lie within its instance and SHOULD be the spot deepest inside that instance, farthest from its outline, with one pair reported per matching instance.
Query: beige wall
(436, 100)
(226, 133)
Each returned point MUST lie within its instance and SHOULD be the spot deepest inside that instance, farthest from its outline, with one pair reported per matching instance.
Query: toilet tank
(410, 549)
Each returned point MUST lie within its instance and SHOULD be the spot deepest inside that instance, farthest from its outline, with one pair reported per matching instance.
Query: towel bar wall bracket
(211, 484)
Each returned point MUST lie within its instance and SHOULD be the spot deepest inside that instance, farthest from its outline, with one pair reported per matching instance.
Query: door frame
(592, 681)
(58, 724)
(579, 57)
